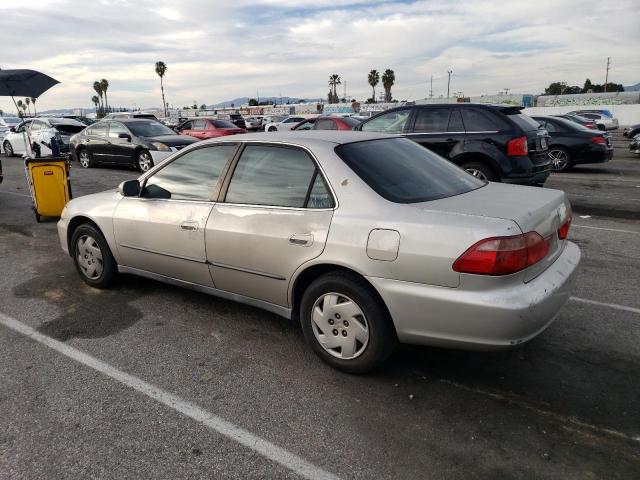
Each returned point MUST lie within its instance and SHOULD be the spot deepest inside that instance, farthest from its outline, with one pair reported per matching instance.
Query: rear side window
(479, 121)
(404, 172)
(276, 176)
(432, 120)
(325, 124)
(223, 124)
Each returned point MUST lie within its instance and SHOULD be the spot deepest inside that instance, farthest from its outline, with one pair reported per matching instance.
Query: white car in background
(602, 118)
(253, 123)
(6, 124)
(286, 124)
(13, 141)
(42, 131)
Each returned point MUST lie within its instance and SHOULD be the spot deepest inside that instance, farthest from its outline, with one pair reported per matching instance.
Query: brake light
(563, 231)
(591, 125)
(503, 255)
(598, 140)
(517, 146)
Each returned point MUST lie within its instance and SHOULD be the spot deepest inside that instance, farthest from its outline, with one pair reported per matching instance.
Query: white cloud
(217, 51)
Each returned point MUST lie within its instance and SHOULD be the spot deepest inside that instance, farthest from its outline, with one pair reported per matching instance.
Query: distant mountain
(633, 88)
(236, 102)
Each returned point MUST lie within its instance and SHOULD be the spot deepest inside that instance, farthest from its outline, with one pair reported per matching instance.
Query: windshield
(149, 129)
(14, 120)
(404, 172)
(352, 122)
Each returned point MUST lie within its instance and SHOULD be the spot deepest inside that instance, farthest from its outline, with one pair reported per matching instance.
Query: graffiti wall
(589, 99)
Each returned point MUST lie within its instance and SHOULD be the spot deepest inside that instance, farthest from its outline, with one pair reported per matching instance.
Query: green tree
(253, 102)
(96, 102)
(20, 109)
(373, 79)
(334, 81)
(587, 86)
(203, 107)
(388, 79)
(97, 86)
(27, 102)
(33, 101)
(161, 70)
(104, 84)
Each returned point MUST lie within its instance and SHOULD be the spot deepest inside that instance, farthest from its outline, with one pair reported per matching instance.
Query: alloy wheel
(89, 256)
(84, 159)
(340, 326)
(477, 173)
(8, 149)
(559, 159)
(144, 161)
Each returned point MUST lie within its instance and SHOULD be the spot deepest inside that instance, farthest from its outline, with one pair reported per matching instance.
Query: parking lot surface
(147, 380)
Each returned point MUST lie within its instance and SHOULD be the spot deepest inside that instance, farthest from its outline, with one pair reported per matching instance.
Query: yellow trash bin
(48, 180)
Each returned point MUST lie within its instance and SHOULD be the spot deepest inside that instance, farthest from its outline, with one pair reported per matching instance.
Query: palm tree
(374, 79)
(96, 102)
(388, 79)
(27, 102)
(97, 86)
(161, 69)
(20, 107)
(334, 81)
(104, 83)
(33, 101)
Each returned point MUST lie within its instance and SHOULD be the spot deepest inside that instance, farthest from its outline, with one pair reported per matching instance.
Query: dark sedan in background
(572, 144)
(138, 143)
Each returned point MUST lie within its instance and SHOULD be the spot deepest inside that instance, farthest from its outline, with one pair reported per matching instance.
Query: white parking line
(607, 229)
(263, 447)
(16, 193)
(604, 304)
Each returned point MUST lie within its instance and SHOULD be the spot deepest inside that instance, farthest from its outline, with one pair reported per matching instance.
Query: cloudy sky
(218, 50)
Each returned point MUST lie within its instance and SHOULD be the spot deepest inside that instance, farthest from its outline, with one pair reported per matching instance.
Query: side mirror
(129, 188)
(125, 136)
(12, 129)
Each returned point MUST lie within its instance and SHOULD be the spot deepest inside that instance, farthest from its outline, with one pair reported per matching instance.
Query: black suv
(492, 142)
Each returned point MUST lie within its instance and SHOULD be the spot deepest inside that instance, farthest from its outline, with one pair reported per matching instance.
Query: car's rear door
(439, 129)
(163, 230)
(274, 215)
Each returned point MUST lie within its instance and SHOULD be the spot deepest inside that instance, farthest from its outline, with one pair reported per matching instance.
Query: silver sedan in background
(365, 239)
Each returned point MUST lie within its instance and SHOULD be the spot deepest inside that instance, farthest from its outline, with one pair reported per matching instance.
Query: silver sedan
(365, 239)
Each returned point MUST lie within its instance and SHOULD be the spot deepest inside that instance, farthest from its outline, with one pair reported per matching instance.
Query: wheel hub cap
(558, 159)
(89, 257)
(476, 173)
(340, 326)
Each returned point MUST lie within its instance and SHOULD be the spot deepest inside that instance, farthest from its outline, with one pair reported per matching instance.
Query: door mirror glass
(125, 136)
(13, 129)
(130, 188)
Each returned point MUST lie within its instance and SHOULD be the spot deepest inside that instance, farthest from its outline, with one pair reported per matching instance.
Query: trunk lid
(532, 208)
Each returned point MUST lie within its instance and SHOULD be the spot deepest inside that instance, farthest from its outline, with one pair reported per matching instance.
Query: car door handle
(301, 239)
(190, 226)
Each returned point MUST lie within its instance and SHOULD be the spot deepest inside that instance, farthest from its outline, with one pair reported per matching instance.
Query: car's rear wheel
(560, 159)
(480, 171)
(84, 158)
(272, 129)
(144, 161)
(346, 324)
(8, 149)
(92, 256)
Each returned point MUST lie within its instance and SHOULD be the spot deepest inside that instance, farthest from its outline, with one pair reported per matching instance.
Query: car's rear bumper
(501, 317)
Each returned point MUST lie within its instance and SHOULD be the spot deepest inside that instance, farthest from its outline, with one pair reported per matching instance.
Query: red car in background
(328, 123)
(203, 128)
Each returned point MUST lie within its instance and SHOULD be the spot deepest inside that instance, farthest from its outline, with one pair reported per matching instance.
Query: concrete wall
(626, 114)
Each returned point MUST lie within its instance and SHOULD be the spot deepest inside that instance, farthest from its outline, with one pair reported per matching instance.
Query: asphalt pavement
(147, 380)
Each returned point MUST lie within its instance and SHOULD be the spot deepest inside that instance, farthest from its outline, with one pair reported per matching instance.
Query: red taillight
(563, 231)
(503, 255)
(598, 140)
(517, 146)
(591, 125)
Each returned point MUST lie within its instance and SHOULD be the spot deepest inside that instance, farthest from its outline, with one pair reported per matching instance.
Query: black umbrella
(24, 83)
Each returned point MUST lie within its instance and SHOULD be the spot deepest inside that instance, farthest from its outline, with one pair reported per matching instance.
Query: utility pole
(606, 77)
(345, 91)
(431, 88)
(449, 72)
(506, 91)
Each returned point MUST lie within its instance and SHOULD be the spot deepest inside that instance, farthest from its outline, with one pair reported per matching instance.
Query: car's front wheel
(272, 129)
(144, 161)
(92, 256)
(345, 323)
(84, 157)
(8, 149)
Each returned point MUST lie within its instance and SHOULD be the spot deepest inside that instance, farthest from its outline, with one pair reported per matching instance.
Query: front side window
(391, 122)
(404, 172)
(432, 120)
(199, 125)
(193, 176)
(274, 176)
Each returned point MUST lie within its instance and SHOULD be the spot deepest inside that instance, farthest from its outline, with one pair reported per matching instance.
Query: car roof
(337, 137)
(133, 120)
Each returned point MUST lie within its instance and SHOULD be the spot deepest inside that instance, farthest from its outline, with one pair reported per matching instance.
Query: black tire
(480, 170)
(85, 159)
(272, 129)
(144, 162)
(559, 166)
(8, 149)
(38, 218)
(381, 332)
(109, 267)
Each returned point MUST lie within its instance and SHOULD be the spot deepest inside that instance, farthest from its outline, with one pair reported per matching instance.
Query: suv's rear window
(404, 172)
(525, 122)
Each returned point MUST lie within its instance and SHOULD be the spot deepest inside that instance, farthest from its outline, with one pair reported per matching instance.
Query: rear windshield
(352, 122)
(404, 172)
(149, 129)
(223, 124)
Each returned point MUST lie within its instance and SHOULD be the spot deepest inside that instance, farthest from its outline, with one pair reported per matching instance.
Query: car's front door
(163, 230)
(120, 150)
(438, 129)
(17, 140)
(274, 216)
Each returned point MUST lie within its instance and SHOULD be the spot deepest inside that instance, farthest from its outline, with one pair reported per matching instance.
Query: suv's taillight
(517, 147)
(503, 255)
(563, 231)
(599, 140)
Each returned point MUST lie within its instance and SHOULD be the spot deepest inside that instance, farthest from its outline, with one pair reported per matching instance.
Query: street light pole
(449, 72)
